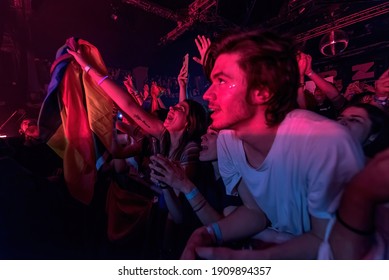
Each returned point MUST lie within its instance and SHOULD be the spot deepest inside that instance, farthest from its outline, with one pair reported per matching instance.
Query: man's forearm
(304, 247)
(242, 223)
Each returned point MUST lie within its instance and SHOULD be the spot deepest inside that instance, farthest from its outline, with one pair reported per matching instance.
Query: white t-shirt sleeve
(227, 147)
(337, 158)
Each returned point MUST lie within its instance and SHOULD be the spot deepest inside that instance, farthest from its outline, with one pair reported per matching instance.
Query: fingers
(202, 42)
(220, 253)
(309, 59)
(73, 53)
(205, 42)
(198, 43)
(156, 178)
(188, 253)
(162, 162)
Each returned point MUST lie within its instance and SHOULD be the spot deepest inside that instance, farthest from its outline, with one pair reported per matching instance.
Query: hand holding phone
(184, 68)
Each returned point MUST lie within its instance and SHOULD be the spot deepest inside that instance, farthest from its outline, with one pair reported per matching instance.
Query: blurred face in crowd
(319, 96)
(176, 119)
(357, 121)
(29, 127)
(208, 146)
(339, 85)
(228, 93)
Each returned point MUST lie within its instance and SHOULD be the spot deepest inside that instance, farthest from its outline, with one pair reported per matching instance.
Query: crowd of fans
(265, 170)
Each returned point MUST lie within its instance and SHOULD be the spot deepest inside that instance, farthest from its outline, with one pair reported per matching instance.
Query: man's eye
(221, 81)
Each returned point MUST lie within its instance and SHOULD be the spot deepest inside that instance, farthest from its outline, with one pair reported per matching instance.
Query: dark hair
(269, 61)
(197, 126)
(378, 137)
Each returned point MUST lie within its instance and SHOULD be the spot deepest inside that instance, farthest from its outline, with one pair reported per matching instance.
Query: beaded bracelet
(350, 228)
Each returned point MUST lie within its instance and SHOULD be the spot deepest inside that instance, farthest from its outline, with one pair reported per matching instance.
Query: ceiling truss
(197, 11)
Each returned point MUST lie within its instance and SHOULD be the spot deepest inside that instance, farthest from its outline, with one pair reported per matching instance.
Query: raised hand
(182, 78)
(78, 56)
(382, 84)
(202, 44)
(129, 84)
(353, 89)
(308, 62)
(156, 91)
(302, 62)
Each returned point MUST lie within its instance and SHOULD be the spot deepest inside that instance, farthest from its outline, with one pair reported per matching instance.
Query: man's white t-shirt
(304, 172)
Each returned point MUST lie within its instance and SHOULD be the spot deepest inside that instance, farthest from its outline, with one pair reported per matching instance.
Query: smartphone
(185, 61)
(185, 65)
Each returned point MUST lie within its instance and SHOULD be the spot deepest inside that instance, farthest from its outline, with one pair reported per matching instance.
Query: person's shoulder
(302, 114)
(312, 120)
(314, 126)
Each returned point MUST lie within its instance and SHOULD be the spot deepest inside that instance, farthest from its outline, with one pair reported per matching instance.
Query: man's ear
(260, 96)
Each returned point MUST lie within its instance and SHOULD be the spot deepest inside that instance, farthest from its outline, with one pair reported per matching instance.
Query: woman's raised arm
(148, 122)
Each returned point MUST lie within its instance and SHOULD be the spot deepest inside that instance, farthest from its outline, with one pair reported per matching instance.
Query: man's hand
(200, 237)
(220, 253)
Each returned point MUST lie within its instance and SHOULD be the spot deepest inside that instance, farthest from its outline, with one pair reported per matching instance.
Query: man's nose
(208, 95)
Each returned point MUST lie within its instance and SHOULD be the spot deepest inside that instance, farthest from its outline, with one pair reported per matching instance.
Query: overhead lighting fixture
(334, 42)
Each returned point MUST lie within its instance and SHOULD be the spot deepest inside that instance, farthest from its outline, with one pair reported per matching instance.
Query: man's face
(228, 94)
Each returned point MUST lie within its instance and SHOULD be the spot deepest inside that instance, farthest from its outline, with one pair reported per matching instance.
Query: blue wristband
(192, 194)
(218, 233)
